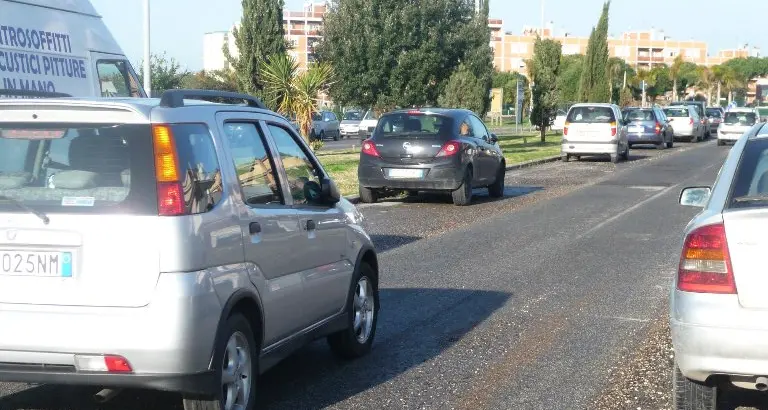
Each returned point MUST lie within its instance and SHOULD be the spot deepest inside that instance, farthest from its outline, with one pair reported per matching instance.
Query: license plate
(44, 264)
(636, 130)
(405, 173)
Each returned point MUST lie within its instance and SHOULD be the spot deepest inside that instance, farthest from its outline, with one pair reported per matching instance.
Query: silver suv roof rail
(175, 98)
(33, 93)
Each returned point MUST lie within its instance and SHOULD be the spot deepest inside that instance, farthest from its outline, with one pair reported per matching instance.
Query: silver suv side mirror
(695, 196)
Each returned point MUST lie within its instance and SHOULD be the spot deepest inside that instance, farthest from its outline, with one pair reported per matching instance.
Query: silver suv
(171, 244)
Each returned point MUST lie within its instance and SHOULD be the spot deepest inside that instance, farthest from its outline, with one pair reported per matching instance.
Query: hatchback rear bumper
(713, 335)
(645, 138)
(446, 175)
(589, 148)
(167, 343)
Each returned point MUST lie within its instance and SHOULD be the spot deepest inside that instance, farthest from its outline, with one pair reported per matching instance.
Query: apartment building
(642, 49)
(302, 31)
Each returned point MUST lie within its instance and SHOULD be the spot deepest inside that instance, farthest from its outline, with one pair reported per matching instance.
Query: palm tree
(294, 93)
(730, 81)
(674, 72)
(649, 76)
(705, 81)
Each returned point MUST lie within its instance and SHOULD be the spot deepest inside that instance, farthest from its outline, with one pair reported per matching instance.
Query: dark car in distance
(437, 150)
(648, 126)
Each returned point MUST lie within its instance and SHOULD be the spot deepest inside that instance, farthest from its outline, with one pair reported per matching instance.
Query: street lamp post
(147, 73)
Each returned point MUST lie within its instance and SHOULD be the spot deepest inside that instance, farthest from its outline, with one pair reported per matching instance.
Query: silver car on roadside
(172, 244)
(718, 302)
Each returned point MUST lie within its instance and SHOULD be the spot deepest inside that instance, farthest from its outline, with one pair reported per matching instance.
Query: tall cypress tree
(259, 36)
(594, 87)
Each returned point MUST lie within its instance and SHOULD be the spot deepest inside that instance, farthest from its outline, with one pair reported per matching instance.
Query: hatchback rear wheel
(496, 190)
(690, 395)
(463, 195)
(368, 195)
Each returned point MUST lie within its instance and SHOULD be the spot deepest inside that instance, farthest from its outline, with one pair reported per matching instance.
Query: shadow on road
(479, 196)
(415, 325)
(387, 242)
(734, 399)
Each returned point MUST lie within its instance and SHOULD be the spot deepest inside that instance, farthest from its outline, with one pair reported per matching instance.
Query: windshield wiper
(21, 205)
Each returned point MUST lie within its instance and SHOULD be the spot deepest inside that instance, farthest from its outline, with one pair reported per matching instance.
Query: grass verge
(342, 165)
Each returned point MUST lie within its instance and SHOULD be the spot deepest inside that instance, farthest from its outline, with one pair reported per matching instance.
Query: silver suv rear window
(77, 168)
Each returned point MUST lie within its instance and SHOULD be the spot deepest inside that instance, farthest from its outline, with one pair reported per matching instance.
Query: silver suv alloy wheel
(236, 372)
(364, 305)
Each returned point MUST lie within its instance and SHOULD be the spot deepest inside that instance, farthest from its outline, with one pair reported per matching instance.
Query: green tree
(220, 80)
(391, 53)
(508, 82)
(478, 59)
(662, 82)
(294, 93)
(644, 76)
(260, 34)
(545, 68)
(166, 73)
(617, 69)
(594, 87)
(571, 67)
(674, 74)
(465, 90)
(706, 80)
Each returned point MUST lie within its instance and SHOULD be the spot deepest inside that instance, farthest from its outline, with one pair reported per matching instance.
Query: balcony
(302, 14)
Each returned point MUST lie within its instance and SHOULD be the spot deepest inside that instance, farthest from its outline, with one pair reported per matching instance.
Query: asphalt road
(551, 298)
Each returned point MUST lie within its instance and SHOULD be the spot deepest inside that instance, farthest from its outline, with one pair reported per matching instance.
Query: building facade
(641, 49)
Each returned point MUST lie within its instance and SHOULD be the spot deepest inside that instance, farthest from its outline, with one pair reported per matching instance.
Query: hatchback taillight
(449, 148)
(369, 148)
(690, 120)
(170, 197)
(705, 264)
(658, 128)
(613, 129)
(565, 128)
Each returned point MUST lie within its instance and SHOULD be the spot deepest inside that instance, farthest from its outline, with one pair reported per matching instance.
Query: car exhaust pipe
(106, 395)
(761, 383)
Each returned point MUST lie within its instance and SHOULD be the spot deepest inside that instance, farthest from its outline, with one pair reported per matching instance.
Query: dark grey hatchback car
(431, 149)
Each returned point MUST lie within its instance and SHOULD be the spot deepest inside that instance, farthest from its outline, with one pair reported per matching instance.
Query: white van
(54, 47)
(595, 129)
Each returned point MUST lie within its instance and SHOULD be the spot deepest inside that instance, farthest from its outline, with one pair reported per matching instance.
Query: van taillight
(170, 196)
(705, 264)
(613, 129)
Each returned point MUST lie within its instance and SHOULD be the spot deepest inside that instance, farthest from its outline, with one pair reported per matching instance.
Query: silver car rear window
(77, 168)
(591, 115)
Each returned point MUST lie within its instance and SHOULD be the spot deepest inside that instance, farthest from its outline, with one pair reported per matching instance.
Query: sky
(178, 26)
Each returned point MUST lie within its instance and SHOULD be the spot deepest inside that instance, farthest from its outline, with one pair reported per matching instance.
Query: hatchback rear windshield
(714, 113)
(591, 115)
(77, 168)
(353, 116)
(750, 184)
(640, 115)
(676, 112)
(740, 118)
(414, 125)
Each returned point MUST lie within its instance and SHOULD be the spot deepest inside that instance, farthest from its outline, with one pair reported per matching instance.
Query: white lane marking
(626, 319)
(628, 210)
